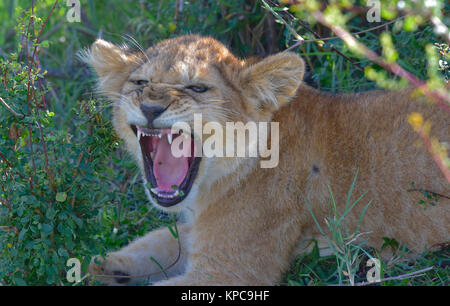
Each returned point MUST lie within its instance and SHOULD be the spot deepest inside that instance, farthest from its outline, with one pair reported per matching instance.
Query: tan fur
(245, 223)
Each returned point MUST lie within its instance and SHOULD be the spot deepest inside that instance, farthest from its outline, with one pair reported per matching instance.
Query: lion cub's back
(398, 172)
(369, 133)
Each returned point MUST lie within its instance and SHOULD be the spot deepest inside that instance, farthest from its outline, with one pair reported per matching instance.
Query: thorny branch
(10, 109)
(441, 98)
(306, 27)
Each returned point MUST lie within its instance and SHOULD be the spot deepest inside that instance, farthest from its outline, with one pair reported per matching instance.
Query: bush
(60, 196)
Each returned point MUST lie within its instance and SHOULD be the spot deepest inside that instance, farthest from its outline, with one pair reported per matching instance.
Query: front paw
(114, 270)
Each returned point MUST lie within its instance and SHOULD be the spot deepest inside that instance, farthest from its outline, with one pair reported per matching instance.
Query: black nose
(151, 112)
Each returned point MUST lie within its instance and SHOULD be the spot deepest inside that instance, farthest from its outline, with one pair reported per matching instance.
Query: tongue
(169, 171)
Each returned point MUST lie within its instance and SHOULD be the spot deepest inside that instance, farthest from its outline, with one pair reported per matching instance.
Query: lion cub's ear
(272, 82)
(111, 63)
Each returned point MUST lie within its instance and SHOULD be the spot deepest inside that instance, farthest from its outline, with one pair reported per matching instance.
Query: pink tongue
(168, 170)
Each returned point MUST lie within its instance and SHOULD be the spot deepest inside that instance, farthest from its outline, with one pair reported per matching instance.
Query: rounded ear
(272, 82)
(111, 63)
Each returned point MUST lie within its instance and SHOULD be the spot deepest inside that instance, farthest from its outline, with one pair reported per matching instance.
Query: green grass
(348, 264)
(109, 194)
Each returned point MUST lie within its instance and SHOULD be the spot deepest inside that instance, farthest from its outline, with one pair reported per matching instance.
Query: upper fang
(169, 138)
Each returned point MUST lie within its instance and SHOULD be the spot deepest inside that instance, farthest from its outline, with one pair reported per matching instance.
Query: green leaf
(47, 229)
(61, 196)
(19, 281)
(22, 234)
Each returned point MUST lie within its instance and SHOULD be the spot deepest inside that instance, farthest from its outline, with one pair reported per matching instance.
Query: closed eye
(139, 82)
(198, 88)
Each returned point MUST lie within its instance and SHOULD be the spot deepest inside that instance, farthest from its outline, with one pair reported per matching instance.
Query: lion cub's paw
(114, 270)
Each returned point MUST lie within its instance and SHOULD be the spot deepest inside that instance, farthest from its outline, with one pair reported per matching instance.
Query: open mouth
(171, 177)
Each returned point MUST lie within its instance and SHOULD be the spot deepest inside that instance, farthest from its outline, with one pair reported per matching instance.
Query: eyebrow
(138, 67)
(137, 78)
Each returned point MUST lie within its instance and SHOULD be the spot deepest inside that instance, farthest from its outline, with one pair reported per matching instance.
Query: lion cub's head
(171, 82)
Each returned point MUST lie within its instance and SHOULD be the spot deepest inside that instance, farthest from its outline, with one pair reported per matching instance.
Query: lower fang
(154, 190)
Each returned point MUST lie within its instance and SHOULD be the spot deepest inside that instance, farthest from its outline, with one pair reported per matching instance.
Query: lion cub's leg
(135, 259)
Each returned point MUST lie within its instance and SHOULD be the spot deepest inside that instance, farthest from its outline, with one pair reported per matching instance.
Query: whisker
(138, 45)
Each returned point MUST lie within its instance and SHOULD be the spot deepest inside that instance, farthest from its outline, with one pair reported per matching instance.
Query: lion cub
(245, 223)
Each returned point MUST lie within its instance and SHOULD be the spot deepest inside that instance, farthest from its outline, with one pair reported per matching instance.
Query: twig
(44, 145)
(6, 203)
(442, 99)
(9, 229)
(305, 26)
(428, 191)
(53, 30)
(30, 92)
(298, 43)
(399, 277)
(437, 159)
(9, 165)
(288, 26)
(357, 33)
(10, 109)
